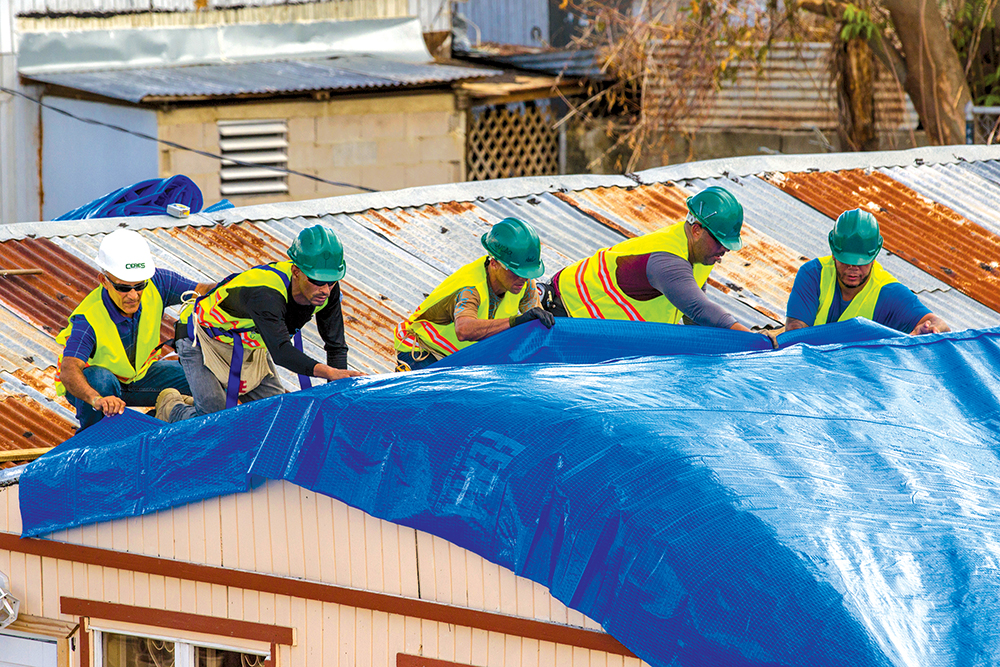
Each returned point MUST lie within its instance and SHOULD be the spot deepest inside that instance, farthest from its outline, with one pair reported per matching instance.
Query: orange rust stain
(647, 207)
(244, 240)
(24, 424)
(387, 225)
(47, 299)
(927, 234)
(451, 208)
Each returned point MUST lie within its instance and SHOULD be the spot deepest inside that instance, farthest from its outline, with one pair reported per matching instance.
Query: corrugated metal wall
(791, 92)
(506, 21)
(59, 14)
(285, 530)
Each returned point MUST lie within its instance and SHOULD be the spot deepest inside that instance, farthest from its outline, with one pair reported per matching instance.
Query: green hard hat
(718, 211)
(318, 253)
(855, 238)
(514, 243)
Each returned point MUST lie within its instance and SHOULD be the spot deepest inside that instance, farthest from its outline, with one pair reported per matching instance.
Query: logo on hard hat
(135, 266)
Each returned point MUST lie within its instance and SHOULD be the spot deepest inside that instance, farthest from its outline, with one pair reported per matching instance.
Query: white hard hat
(125, 255)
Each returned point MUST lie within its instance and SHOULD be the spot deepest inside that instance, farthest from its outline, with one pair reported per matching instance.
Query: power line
(173, 144)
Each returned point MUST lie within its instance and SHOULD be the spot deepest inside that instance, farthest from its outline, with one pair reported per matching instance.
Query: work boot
(168, 400)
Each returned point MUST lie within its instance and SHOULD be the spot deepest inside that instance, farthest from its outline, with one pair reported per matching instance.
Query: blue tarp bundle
(814, 505)
(150, 197)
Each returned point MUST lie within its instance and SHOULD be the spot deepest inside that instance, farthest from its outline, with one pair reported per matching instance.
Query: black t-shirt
(277, 319)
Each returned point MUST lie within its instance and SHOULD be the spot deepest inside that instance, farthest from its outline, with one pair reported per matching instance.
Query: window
(253, 142)
(124, 650)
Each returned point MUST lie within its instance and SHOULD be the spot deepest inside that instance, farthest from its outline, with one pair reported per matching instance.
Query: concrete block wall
(384, 142)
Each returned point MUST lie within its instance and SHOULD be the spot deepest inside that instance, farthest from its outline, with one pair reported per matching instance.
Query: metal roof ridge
(90, 227)
(756, 164)
(425, 195)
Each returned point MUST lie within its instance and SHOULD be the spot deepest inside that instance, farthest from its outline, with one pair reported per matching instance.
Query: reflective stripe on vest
(863, 303)
(414, 334)
(109, 352)
(241, 331)
(589, 288)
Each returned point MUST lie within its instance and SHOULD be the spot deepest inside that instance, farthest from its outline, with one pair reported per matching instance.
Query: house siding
(387, 142)
(284, 530)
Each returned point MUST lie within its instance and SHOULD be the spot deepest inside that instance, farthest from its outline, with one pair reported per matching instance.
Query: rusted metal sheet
(925, 233)
(45, 300)
(632, 211)
(24, 424)
(760, 274)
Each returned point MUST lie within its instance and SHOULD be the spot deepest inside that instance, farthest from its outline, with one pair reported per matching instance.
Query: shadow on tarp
(579, 341)
(816, 505)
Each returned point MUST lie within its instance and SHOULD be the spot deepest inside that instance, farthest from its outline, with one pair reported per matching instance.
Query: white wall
(81, 162)
(18, 134)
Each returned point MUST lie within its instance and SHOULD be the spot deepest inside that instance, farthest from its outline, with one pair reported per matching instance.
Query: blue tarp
(150, 197)
(834, 504)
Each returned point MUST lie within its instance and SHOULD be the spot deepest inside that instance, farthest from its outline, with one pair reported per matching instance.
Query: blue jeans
(141, 393)
(210, 394)
(405, 361)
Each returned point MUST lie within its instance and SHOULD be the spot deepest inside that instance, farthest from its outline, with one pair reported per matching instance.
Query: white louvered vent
(255, 142)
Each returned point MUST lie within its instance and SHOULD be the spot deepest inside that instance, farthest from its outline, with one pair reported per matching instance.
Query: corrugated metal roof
(800, 227)
(335, 74)
(925, 233)
(954, 185)
(399, 246)
(555, 62)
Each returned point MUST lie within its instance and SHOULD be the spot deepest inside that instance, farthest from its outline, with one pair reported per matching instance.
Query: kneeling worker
(657, 277)
(850, 283)
(230, 340)
(483, 298)
(111, 354)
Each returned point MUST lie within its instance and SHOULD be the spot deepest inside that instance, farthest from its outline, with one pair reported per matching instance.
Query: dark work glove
(543, 316)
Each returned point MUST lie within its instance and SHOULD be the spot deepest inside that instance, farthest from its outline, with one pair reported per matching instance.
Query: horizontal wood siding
(286, 531)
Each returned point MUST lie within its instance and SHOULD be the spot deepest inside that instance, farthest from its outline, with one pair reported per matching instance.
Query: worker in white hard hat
(111, 346)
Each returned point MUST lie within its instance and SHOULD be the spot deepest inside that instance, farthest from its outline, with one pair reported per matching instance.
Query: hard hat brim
(527, 272)
(326, 275)
(854, 259)
(731, 244)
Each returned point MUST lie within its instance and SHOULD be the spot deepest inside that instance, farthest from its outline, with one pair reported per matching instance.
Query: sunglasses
(321, 283)
(125, 289)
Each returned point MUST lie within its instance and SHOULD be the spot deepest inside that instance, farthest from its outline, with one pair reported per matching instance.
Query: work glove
(543, 316)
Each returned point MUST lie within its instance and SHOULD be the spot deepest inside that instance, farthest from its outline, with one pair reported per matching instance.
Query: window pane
(212, 657)
(127, 651)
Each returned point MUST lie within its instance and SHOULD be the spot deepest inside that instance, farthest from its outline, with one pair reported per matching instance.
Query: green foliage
(857, 23)
(977, 41)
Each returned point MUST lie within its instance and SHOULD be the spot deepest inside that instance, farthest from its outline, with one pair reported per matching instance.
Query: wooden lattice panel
(505, 143)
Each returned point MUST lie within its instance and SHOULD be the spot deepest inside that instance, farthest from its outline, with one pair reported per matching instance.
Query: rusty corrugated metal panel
(45, 300)
(802, 228)
(760, 274)
(24, 424)
(965, 192)
(925, 233)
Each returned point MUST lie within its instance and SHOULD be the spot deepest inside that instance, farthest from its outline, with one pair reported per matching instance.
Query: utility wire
(172, 144)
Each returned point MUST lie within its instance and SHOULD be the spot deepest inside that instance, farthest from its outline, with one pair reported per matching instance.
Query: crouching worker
(230, 340)
(483, 298)
(111, 346)
(850, 283)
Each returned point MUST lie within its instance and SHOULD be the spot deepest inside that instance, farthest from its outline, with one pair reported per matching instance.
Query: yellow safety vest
(863, 303)
(414, 333)
(589, 288)
(210, 314)
(110, 352)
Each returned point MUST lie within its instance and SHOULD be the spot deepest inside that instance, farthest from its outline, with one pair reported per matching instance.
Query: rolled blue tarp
(150, 197)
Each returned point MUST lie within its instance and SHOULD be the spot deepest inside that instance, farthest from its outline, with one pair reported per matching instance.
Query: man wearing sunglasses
(657, 277)
(111, 354)
(230, 341)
